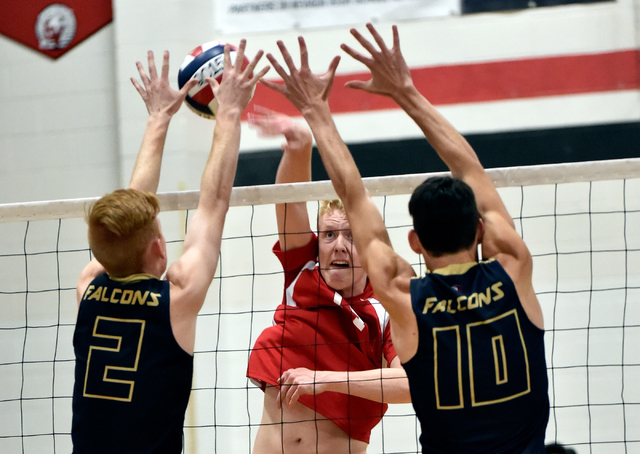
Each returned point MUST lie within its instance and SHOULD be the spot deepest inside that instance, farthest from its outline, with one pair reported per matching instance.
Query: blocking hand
(304, 89)
(390, 73)
(156, 92)
(237, 85)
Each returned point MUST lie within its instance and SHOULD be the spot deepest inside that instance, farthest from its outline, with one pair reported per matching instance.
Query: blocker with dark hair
(445, 215)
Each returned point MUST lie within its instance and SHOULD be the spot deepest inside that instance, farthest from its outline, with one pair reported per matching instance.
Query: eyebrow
(333, 227)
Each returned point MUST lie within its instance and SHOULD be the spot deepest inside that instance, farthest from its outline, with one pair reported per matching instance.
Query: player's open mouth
(340, 264)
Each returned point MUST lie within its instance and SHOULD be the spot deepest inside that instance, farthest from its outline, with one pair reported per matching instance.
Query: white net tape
(377, 186)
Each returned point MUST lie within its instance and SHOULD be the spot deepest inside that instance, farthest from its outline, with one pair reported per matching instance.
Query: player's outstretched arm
(388, 385)
(295, 167)
(162, 103)
(191, 275)
(386, 270)
(391, 77)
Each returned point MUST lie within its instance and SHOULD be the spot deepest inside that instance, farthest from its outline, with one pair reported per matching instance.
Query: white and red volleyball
(205, 61)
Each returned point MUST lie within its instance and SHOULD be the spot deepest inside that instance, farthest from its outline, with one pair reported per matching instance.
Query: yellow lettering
(127, 295)
(104, 298)
(449, 310)
(472, 301)
(96, 295)
(140, 298)
(484, 298)
(87, 291)
(441, 306)
(113, 298)
(498, 292)
(154, 299)
(462, 303)
(428, 304)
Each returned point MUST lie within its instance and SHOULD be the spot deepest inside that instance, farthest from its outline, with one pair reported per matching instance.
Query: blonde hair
(327, 206)
(121, 226)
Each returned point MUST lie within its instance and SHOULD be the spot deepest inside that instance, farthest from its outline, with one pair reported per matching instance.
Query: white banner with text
(242, 16)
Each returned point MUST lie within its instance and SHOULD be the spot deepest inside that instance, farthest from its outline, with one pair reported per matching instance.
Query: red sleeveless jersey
(315, 327)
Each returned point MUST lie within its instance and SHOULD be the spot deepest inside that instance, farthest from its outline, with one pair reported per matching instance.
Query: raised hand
(237, 85)
(390, 73)
(270, 123)
(156, 92)
(162, 103)
(301, 87)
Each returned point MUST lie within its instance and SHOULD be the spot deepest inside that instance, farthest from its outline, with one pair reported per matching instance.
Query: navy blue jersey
(479, 379)
(132, 379)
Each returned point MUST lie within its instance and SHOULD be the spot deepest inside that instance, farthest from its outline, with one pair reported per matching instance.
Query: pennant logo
(53, 28)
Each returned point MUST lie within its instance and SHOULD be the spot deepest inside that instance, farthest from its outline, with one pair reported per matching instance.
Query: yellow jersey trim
(458, 268)
(133, 278)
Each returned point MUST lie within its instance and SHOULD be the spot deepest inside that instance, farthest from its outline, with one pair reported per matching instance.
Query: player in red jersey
(328, 323)
(469, 333)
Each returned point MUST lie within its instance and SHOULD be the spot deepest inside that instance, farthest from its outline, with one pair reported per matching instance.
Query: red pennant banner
(53, 28)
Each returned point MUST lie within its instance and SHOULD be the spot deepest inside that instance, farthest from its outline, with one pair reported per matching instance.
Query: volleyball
(205, 61)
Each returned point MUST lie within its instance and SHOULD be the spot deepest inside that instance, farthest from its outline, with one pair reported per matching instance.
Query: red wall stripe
(489, 81)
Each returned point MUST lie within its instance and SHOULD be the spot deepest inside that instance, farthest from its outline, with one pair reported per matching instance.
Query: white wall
(58, 121)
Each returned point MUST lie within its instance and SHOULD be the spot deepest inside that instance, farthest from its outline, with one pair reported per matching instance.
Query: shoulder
(520, 274)
(295, 259)
(502, 242)
(188, 286)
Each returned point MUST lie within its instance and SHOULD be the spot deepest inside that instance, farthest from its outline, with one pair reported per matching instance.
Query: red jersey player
(327, 365)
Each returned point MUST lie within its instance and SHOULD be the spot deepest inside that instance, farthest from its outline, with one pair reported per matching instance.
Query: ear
(155, 251)
(159, 249)
(414, 242)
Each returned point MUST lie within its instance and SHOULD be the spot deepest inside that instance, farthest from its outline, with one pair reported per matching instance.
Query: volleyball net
(580, 221)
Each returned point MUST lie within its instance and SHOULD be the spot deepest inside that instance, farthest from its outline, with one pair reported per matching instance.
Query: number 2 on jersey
(113, 358)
